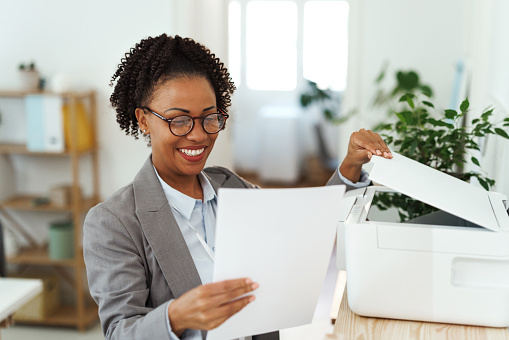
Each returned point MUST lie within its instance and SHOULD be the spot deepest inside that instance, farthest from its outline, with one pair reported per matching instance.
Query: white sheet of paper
(282, 239)
(435, 188)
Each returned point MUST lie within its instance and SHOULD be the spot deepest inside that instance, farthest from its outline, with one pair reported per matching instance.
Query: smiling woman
(149, 248)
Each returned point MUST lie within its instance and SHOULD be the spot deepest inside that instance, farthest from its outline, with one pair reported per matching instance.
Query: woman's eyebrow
(187, 111)
(209, 108)
(178, 109)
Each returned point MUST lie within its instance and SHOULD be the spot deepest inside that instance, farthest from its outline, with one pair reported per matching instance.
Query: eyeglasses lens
(212, 123)
(181, 125)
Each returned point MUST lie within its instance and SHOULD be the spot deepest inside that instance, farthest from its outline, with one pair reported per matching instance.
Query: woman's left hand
(362, 146)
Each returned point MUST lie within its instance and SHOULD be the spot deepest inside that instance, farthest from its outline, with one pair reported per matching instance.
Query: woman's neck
(189, 186)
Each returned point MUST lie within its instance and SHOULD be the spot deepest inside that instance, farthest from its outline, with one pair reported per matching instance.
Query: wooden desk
(14, 293)
(351, 326)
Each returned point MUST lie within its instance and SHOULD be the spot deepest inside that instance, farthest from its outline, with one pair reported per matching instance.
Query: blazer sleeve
(118, 281)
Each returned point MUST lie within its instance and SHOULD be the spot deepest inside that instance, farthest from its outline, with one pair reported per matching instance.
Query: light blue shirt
(364, 180)
(201, 215)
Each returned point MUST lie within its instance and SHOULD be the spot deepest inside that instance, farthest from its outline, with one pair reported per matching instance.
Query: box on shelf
(44, 304)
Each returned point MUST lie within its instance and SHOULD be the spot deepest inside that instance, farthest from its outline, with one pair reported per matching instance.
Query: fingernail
(252, 298)
(378, 152)
(254, 286)
(248, 281)
(386, 155)
(369, 155)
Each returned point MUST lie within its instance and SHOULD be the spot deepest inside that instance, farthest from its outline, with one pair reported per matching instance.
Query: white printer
(449, 265)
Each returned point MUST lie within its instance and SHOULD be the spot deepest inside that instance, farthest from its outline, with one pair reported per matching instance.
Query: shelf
(66, 316)
(84, 313)
(25, 203)
(21, 93)
(21, 149)
(39, 256)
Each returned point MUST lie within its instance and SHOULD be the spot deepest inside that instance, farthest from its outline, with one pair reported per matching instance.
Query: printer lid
(440, 190)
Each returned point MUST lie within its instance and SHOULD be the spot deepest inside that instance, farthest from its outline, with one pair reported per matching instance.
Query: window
(268, 53)
(271, 38)
(326, 43)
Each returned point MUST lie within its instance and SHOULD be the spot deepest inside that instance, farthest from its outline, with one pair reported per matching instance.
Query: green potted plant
(442, 140)
(29, 76)
(329, 104)
(327, 100)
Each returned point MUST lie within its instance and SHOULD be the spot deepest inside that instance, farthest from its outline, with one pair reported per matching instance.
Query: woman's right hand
(208, 306)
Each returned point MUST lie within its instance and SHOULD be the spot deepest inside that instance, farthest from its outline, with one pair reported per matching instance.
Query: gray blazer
(137, 259)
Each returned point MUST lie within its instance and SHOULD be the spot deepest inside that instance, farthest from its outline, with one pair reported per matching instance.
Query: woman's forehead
(184, 91)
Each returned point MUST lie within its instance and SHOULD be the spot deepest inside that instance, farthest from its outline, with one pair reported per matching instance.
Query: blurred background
(272, 50)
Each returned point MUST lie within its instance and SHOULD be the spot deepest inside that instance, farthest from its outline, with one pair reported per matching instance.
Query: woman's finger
(229, 289)
(361, 140)
(226, 297)
(377, 139)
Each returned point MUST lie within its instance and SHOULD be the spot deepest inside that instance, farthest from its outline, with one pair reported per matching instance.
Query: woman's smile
(192, 154)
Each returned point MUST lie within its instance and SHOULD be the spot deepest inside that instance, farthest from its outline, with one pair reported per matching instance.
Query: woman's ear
(142, 120)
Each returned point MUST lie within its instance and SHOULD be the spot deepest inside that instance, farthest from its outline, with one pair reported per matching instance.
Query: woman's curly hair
(162, 58)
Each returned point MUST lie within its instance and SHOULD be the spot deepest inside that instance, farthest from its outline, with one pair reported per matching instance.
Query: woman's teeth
(192, 153)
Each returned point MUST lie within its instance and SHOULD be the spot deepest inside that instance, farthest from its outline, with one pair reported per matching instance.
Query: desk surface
(14, 293)
(351, 326)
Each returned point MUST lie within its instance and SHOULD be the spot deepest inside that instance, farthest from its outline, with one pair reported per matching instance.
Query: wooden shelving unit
(84, 312)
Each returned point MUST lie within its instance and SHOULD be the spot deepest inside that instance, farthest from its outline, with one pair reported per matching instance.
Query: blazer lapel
(163, 233)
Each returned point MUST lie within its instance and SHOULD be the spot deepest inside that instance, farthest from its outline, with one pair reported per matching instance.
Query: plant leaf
(485, 116)
(464, 106)
(401, 117)
(426, 90)
(408, 98)
(439, 123)
(484, 184)
(501, 132)
(475, 161)
(428, 104)
(450, 114)
(328, 114)
(407, 80)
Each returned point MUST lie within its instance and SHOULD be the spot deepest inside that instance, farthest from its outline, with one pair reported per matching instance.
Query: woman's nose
(197, 133)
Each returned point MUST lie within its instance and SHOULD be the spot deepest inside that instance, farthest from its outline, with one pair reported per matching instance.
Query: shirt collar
(183, 203)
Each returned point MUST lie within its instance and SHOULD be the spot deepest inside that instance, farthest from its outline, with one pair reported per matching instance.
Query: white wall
(85, 40)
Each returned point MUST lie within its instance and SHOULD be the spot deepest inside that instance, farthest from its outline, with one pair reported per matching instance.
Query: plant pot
(29, 80)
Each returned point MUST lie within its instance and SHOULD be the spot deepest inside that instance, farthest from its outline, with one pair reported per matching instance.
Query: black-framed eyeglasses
(183, 124)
